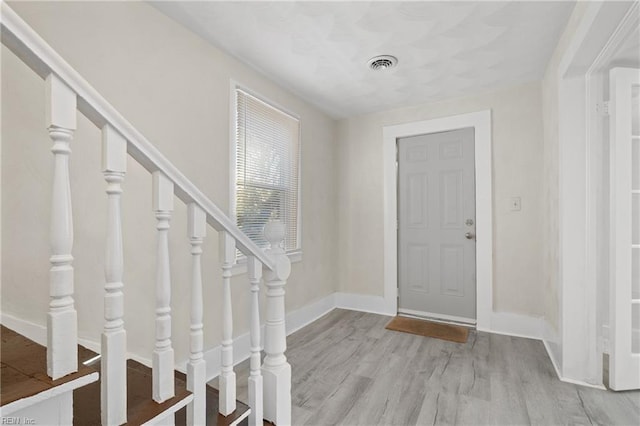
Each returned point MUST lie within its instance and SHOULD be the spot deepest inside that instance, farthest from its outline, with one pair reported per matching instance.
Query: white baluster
(62, 324)
(227, 403)
(275, 369)
(255, 376)
(114, 337)
(163, 358)
(196, 368)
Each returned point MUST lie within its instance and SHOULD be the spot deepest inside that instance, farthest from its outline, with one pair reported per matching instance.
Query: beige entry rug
(452, 333)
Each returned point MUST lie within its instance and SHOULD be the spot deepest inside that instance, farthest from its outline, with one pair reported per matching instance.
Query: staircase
(64, 383)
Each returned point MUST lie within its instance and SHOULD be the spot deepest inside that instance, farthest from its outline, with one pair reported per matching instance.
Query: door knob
(469, 236)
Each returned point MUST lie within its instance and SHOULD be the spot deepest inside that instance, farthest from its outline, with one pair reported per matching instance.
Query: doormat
(452, 333)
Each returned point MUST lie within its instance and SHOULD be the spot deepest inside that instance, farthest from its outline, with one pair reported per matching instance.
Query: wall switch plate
(516, 204)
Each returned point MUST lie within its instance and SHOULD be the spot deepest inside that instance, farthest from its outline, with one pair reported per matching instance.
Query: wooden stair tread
(24, 367)
(213, 417)
(140, 406)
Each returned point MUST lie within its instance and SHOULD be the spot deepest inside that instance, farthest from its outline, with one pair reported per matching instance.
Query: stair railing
(269, 384)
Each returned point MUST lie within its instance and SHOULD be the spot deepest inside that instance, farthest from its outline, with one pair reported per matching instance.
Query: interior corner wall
(552, 279)
(517, 172)
(175, 88)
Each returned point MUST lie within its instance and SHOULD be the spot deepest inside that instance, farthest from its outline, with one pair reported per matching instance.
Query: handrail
(25, 43)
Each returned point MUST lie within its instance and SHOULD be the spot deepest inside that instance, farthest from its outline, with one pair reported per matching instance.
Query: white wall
(174, 87)
(551, 185)
(517, 171)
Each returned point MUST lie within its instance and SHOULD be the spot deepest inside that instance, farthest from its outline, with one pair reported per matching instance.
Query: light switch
(515, 204)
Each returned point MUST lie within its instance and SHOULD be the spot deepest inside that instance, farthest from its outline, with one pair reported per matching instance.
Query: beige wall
(517, 171)
(550, 199)
(174, 88)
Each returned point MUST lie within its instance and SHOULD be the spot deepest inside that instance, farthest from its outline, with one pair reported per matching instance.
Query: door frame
(577, 356)
(480, 121)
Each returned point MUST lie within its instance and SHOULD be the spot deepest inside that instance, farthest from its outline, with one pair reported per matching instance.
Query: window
(267, 152)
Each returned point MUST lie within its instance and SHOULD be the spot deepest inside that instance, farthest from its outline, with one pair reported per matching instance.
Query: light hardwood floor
(349, 370)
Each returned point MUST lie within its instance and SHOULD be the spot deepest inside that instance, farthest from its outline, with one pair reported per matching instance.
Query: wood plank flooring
(349, 370)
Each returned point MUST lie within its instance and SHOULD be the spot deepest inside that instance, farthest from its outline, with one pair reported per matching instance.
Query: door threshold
(445, 319)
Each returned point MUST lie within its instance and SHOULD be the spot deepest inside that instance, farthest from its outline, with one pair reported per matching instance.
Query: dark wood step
(24, 367)
(140, 406)
(213, 417)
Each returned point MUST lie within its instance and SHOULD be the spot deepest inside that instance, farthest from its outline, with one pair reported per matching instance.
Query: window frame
(295, 255)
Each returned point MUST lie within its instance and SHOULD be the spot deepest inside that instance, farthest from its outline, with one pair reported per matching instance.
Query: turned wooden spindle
(163, 357)
(62, 324)
(255, 376)
(114, 338)
(196, 367)
(227, 397)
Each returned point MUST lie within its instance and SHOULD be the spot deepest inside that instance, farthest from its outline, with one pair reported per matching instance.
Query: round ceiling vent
(382, 62)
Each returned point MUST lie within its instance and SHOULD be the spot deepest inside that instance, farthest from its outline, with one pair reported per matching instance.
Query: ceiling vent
(382, 62)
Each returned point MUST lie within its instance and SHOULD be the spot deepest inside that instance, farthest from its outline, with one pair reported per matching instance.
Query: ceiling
(319, 50)
(628, 53)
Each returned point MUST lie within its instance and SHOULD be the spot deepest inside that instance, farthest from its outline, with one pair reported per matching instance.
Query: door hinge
(602, 108)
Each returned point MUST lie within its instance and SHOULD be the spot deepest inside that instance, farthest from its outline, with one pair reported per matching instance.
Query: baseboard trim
(510, 324)
(552, 357)
(35, 332)
(362, 303)
(550, 340)
(581, 383)
(241, 345)
(306, 315)
(517, 325)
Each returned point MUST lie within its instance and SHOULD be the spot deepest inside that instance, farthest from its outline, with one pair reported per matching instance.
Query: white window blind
(267, 169)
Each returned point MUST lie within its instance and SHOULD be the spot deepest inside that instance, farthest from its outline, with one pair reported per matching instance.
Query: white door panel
(624, 357)
(436, 208)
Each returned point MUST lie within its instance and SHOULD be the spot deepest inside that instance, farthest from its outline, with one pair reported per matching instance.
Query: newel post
(62, 324)
(276, 371)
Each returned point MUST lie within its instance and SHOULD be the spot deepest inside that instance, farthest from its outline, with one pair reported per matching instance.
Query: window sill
(240, 266)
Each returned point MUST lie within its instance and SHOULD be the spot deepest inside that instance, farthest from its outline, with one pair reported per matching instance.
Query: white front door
(436, 226)
(624, 140)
